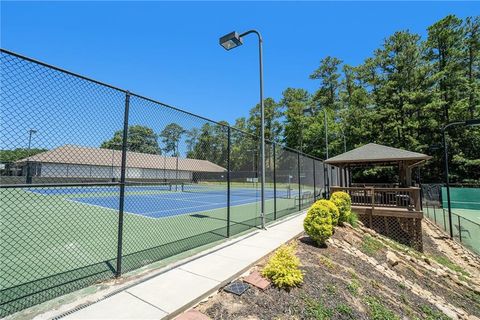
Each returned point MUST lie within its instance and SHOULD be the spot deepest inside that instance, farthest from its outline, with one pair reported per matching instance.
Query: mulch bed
(338, 285)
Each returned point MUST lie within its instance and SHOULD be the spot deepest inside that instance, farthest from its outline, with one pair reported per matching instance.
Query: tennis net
(132, 186)
(247, 191)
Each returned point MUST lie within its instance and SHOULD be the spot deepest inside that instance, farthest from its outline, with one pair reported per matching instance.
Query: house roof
(70, 154)
(376, 153)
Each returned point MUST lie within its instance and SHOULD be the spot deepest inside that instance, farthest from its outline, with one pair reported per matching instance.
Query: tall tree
(139, 139)
(273, 127)
(472, 46)
(401, 89)
(327, 73)
(293, 104)
(210, 143)
(445, 46)
(171, 135)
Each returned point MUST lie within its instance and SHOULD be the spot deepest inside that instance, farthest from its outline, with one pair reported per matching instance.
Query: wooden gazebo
(391, 209)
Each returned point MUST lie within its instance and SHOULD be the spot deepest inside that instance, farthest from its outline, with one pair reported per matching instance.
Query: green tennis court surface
(55, 242)
(466, 224)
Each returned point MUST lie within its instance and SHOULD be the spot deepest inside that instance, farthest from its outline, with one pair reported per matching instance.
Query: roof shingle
(69, 154)
(373, 152)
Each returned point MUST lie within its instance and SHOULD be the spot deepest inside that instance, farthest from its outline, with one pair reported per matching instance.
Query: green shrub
(344, 204)
(332, 208)
(283, 268)
(318, 222)
(353, 219)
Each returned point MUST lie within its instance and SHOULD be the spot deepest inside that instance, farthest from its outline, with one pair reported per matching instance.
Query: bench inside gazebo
(392, 209)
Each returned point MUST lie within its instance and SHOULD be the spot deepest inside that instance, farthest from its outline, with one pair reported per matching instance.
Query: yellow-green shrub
(344, 204)
(318, 222)
(333, 210)
(283, 268)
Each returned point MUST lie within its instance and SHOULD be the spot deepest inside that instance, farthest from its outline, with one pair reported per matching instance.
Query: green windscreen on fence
(463, 198)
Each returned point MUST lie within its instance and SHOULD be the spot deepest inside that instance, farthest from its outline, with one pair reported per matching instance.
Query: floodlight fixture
(472, 122)
(228, 42)
(231, 40)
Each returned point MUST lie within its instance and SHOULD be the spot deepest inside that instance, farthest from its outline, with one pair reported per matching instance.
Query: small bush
(353, 219)
(333, 210)
(283, 268)
(353, 287)
(344, 204)
(318, 222)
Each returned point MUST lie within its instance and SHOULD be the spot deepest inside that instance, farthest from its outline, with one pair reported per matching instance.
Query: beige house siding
(82, 162)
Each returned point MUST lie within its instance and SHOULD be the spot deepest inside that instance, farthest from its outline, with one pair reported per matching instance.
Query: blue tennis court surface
(158, 206)
(98, 189)
(162, 201)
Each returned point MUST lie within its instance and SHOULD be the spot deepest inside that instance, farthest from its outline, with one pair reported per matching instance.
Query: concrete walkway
(181, 287)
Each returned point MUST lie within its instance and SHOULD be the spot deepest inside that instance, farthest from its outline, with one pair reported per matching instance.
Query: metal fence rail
(97, 181)
(465, 214)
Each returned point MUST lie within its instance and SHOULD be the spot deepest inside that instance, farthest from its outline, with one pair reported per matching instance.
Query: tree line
(401, 96)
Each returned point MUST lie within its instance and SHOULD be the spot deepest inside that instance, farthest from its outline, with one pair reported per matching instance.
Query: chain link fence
(97, 181)
(465, 211)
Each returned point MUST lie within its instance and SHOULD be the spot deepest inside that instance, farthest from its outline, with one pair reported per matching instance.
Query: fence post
(314, 182)
(228, 182)
(28, 178)
(459, 229)
(122, 185)
(299, 185)
(274, 184)
(325, 180)
(444, 220)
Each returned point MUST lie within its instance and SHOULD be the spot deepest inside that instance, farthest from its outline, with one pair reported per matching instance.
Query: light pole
(469, 123)
(233, 40)
(29, 169)
(30, 133)
(344, 140)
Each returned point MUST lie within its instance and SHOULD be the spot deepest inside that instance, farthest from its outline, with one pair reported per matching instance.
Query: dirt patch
(362, 275)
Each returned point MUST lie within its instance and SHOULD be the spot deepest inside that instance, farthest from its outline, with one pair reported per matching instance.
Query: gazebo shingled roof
(380, 155)
(376, 153)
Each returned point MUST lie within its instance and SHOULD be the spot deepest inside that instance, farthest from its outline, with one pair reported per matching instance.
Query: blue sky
(170, 51)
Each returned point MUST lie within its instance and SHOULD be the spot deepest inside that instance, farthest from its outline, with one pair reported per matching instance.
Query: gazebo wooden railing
(373, 197)
(393, 212)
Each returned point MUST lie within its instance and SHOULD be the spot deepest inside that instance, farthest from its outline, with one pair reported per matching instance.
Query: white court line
(160, 197)
(197, 212)
(201, 206)
(108, 208)
(144, 214)
(181, 199)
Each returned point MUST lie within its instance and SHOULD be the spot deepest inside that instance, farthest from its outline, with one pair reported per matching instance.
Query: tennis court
(465, 208)
(61, 228)
(155, 201)
(67, 236)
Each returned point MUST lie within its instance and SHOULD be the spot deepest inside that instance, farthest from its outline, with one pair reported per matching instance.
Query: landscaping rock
(392, 259)
(255, 279)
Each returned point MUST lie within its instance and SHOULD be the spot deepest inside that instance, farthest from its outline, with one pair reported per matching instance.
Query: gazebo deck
(394, 212)
(391, 202)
